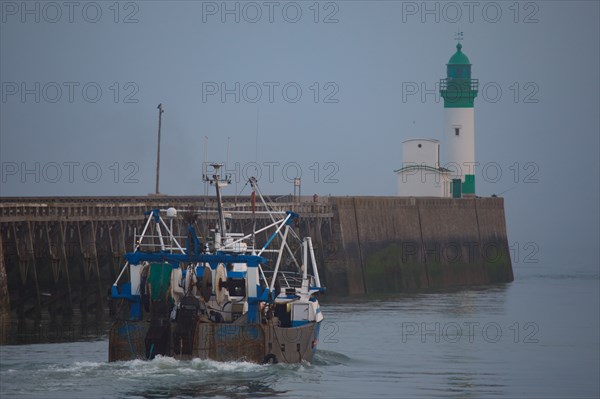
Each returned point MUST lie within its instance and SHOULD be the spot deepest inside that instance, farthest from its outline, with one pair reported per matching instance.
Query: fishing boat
(217, 298)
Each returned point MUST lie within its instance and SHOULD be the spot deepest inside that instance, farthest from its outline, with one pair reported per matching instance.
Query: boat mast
(216, 181)
(252, 181)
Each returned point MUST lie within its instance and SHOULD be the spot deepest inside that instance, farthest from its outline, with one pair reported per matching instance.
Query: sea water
(537, 337)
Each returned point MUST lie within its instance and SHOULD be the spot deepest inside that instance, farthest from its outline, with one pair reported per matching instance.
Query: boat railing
(151, 242)
(302, 208)
(243, 209)
(289, 279)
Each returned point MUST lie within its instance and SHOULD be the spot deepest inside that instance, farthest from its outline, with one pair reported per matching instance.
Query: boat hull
(252, 342)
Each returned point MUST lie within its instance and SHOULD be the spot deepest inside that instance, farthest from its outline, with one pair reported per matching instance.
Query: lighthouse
(424, 173)
(459, 90)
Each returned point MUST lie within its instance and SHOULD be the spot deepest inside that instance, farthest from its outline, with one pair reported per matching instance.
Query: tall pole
(205, 168)
(227, 160)
(256, 141)
(160, 111)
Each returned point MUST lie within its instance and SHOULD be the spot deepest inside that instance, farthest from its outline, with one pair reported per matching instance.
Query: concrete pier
(59, 256)
(399, 244)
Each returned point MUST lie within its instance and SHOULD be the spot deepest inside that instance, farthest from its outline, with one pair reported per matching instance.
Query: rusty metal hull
(257, 343)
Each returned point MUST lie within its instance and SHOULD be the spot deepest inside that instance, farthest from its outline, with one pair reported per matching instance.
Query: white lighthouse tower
(459, 90)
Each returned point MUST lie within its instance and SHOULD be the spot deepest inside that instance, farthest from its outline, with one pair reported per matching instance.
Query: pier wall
(4, 302)
(59, 256)
(392, 244)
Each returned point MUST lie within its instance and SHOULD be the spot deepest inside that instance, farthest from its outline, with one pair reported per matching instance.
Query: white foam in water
(165, 362)
(214, 366)
(76, 367)
(164, 367)
(157, 367)
(86, 364)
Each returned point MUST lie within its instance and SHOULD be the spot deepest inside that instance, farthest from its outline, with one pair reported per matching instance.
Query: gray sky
(357, 64)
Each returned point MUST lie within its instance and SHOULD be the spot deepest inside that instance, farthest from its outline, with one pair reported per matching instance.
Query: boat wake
(163, 366)
(330, 358)
(161, 377)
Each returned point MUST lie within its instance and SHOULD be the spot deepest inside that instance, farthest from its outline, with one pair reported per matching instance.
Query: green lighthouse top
(459, 58)
(458, 89)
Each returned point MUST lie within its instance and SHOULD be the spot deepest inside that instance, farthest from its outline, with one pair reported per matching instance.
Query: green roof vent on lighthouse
(458, 89)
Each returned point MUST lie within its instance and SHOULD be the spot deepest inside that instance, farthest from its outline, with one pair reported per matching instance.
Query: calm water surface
(534, 338)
